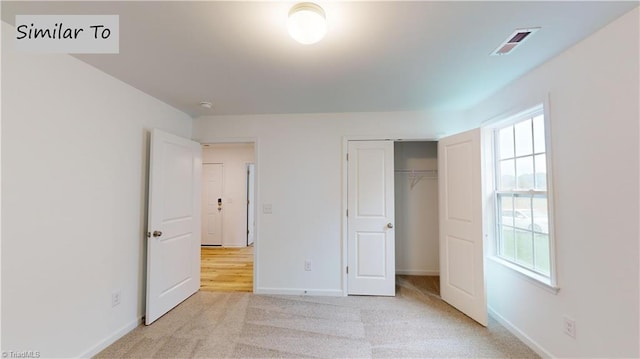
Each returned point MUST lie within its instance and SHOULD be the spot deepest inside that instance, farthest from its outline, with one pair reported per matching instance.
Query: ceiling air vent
(516, 38)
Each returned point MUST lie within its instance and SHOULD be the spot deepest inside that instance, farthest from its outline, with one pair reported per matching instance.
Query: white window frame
(549, 282)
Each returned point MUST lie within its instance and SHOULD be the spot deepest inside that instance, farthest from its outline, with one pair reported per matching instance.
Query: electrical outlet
(115, 298)
(307, 265)
(569, 326)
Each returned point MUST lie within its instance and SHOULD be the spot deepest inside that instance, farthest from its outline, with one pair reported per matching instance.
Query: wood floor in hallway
(226, 269)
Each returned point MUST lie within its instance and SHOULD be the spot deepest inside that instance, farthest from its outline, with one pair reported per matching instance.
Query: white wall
(299, 172)
(416, 205)
(594, 112)
(234, 158)
(74, 160)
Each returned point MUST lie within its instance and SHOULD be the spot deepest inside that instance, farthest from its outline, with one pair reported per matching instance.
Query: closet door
(370, 201)
(462, 281)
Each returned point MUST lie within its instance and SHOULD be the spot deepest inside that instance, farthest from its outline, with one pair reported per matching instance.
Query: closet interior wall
(416, 206)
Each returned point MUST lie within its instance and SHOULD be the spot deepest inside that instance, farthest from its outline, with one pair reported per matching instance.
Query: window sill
(531, 277)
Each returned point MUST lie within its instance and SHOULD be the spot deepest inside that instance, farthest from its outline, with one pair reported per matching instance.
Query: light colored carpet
(244, 325)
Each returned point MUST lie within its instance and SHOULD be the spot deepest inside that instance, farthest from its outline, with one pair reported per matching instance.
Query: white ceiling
(377, 56)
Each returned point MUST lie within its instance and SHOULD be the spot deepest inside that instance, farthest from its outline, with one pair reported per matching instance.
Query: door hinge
(347, 269)
(347, 213)
(347, 157)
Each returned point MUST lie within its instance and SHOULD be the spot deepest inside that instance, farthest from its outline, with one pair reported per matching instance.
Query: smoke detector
(206, 104)
(514, 40)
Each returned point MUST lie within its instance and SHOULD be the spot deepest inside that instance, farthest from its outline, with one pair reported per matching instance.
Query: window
(522, 202)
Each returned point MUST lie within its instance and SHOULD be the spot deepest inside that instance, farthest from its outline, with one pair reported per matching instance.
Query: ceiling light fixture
(307, 23)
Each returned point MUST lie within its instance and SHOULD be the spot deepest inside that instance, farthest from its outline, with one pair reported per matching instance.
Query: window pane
(541, 171)
(522, 218)
(524, 138)
(538, 134)
(522, 202)
(542, 253)
(540, 215)
(507, 244)
(524, 172)
(506, 210)
(507, 175)
(524, 248)
(506, 142)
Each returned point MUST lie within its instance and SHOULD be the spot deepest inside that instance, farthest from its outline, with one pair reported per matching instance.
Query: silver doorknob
(389, 225)
(157, 233)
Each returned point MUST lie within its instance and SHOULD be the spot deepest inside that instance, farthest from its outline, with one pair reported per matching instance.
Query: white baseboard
(111, 338)
(520, 334)
(299, 291)
(418, 272)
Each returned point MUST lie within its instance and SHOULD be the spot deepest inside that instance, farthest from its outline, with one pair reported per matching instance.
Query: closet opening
(416, 214)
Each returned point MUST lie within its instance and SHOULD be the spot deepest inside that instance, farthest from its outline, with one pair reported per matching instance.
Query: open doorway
(228, 226)
(416, 214)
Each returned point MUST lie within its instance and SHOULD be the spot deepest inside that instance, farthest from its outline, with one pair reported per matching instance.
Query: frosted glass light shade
(307, 23)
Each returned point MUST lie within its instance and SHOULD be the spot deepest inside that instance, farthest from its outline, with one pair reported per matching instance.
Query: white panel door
(173, 243)
(212, 211)
(370, 203)
(462, 281)
(251, 188)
